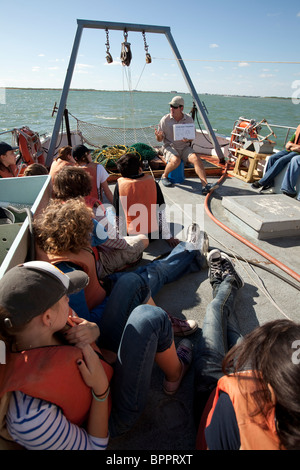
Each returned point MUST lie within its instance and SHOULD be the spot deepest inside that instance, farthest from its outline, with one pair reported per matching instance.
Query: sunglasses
(174, 107)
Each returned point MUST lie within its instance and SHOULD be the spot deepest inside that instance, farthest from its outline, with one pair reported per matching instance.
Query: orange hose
(263, 253)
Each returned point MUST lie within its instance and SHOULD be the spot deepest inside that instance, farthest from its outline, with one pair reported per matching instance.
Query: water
(33, 108)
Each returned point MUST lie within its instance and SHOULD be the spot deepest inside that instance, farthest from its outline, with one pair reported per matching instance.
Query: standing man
(177, 150)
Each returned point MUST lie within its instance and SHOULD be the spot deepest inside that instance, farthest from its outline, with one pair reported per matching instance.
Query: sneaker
(206, 189)
(167, 182)
(183, 327)
(228, 270)
(289, 194)
(185, 354)
(198, 238)
(256, 185)
(214, 265)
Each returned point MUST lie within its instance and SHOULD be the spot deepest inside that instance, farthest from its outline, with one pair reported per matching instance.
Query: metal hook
(148, 56)
(108, 55)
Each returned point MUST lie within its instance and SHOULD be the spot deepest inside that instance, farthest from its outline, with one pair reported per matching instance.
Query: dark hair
(269, 351)
(71, 182)
(35, 169)
(129, 164)
(64, 153)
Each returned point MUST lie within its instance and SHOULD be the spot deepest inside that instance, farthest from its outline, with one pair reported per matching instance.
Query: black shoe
(256, 185)
(228, 270)
(289, 194)
(214, 266)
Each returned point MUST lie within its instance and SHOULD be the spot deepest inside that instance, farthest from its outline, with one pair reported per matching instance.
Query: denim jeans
(291, 176)
(147, 331)
(220, 331)
(275, 165)
(182, 260)
(128, 292)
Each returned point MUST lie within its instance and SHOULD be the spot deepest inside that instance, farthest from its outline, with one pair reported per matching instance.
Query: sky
(228, 47)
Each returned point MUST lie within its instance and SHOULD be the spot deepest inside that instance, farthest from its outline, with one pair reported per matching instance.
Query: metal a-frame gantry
(81, 24)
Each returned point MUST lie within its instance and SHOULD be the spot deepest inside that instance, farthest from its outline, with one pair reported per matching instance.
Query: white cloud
(244, 64)
(41, 55)
(53, 68)
(213, 46)
(36, 68)
(266, 75)
(298, 14)
(84, 66)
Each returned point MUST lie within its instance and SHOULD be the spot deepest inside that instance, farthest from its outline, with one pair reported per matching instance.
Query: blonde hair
(64, 226)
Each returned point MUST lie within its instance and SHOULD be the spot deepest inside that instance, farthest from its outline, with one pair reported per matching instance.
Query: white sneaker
(198, 238)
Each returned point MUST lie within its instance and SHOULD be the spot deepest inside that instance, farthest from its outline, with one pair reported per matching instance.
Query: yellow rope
(112, 154)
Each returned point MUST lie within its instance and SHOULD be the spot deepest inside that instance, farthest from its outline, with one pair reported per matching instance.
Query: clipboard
(184, 131)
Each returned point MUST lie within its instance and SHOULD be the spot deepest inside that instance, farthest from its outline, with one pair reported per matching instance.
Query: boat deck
(269, 293)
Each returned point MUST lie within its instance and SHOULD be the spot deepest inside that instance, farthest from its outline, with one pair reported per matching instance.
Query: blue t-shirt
(223, 431)
(78, 302)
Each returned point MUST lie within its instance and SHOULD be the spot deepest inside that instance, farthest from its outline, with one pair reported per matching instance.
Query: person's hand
(159, 135)
(92, 370)
(289, 146)
(83, 331)
(173, 242)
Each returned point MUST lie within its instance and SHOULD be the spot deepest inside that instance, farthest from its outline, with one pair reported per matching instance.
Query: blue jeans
(275, 165)
(291, 176)
(220, 332)
(129, 291)
(182, 260)
(135, 288)
(147, 331)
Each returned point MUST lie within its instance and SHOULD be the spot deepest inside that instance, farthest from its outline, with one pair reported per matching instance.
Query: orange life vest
(139, 196)
(51, 374)
(94, 292)
(8, 172)
(256, 432)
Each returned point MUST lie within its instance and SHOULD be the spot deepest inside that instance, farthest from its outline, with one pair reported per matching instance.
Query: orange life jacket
(139, 196)
(256, 432)
(94, 292)
(8, 172)
(51, 374)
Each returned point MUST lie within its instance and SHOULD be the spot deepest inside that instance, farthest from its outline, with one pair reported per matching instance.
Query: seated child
(138, 200)
(114, 253)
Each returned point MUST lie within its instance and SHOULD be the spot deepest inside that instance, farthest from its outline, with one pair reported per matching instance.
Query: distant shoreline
(140, 91)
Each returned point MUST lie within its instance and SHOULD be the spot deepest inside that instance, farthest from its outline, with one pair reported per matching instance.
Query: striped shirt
(39, 425)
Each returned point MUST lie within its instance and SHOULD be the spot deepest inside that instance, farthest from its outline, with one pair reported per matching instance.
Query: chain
(148, 56)
(108, 55)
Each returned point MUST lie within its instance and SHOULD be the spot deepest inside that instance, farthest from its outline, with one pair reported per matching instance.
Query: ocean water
(117, 109)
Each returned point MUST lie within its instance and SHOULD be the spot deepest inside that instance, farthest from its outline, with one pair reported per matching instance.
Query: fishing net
(111, 142)
(99, 136)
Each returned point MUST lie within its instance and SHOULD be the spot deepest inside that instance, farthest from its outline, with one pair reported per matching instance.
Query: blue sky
(226, 48)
